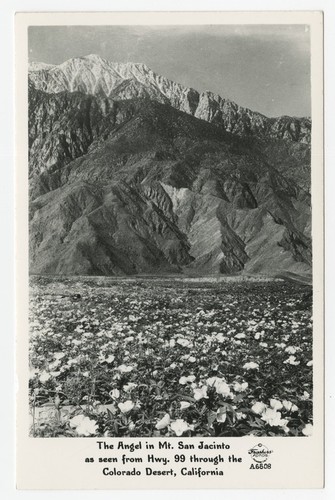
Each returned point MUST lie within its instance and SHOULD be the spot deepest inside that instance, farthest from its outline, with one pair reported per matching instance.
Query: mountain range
(130, 173)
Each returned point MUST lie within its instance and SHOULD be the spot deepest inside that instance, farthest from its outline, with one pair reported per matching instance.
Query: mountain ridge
(95, 75)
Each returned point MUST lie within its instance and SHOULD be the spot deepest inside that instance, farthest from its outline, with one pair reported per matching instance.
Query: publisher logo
(260, 453)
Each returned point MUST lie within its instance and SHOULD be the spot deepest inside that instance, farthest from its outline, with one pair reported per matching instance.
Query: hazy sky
(265, 68)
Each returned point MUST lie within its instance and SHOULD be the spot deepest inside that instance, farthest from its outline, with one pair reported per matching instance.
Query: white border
(6, 151)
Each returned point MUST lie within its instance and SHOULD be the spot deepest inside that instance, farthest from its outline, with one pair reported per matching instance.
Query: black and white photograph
(170, 244)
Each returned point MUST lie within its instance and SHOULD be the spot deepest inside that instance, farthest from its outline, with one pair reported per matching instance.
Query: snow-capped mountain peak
(91, 74)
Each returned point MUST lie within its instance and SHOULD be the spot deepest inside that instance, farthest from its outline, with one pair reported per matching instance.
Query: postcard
(169, 230)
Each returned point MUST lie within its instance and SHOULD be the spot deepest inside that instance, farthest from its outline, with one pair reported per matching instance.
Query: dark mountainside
(131, 173)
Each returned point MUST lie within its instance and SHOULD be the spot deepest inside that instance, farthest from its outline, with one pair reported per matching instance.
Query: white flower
(192, 359)
(54, 365)
(200, 393)
(110, 359)
(115, 393)
(221, 415)
(275, 404)
(126, 407)
(305, 396)
(240, 387)
(310, 363)
(273, 418)
(33, 372)
(44, 376)
(212, 380)
(220, 337)
(84, 425)
(240, 336)
(129, 387)
(290, 350)
(251, 366)
(183, 342)
(172, 343)
(163, 422)
(179, 426)
(289, 406)
(258, 408)
(186, 357)
(307, 430)
(173, 366)
(125, 368)
(240, 415)
(184, 405)
(292, 361)
(222, 387)
(184, 380)
(59, 355)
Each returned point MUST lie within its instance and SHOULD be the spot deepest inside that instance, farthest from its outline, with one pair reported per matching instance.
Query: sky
(262, 67)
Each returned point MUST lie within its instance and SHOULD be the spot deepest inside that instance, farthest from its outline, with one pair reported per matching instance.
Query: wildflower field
(169, 357)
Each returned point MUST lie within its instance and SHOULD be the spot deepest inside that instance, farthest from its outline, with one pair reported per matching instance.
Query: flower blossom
(163, 422)
(179, 426)
(307, 430)
(110, 359)
(305, 396)
(184, 380)
(291, 360)
(240, 336)
(258, 408)
(44, 376)
(59, 355)
(251, 366)
(275, 404)
(222, 388)
(273, 418)
(240, 415)
(129, 387)
(291, 350)
(289, 406)
(126, 407)
(115, 393)
(240, 387)
(184, 342)
(184, 405)
(84, 425)
(221, 415)
(125, 368)
(200, 393)
(220, 385)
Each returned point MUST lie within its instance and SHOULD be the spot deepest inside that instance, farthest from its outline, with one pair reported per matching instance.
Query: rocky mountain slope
(127, 180)
(96, 76)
